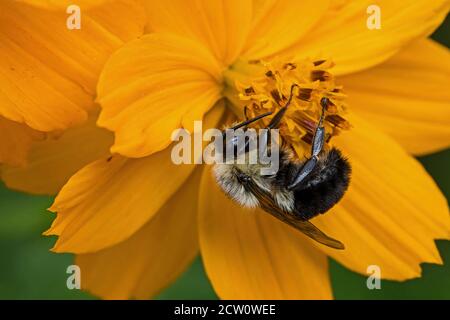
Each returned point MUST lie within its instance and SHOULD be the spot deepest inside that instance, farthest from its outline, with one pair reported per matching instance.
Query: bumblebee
(299, 190)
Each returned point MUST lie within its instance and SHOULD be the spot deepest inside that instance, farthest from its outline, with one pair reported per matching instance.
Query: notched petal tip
(392, 212)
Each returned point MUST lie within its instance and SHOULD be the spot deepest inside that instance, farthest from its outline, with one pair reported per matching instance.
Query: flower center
(257, 87)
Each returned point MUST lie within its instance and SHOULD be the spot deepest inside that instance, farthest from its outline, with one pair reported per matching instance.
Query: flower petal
(53, 161)
(15, 141)
(220, 25)
(109, 200)
(344, 35)
(48, 73)
(276, 24)
(250, 255)
(154, 256)
(407, 96)
(392, 211)
(151, 86)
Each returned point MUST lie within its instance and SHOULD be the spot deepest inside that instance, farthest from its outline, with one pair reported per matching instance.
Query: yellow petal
(48, 73)
(152, 258)
(392, 211)
(15, 141)
(63, 4)
(407, 96)
(343, 34)
(109, 200)
(151, 86)
(278, 24)
(250, 255)
(222, 26)
(53, 161)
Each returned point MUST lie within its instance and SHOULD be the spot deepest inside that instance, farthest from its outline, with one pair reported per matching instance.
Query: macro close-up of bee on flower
(326, 122)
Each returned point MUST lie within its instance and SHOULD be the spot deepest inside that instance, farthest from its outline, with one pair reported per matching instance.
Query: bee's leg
(265, 136)
(246, 113)
(319, 135)
(246, 116)
(316, 148)
(275, 122)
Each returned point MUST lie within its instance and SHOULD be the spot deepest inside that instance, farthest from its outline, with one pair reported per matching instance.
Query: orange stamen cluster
(312, 81)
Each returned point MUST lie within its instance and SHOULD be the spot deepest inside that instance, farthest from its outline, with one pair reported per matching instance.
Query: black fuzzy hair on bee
(321, 189)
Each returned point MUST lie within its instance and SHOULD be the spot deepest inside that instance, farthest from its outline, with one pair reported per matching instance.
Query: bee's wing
(268, 204)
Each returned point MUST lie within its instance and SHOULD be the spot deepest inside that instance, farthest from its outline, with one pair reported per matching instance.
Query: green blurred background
(28, 270)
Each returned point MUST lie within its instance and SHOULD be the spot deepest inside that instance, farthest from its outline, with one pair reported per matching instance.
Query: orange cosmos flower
(135, 220)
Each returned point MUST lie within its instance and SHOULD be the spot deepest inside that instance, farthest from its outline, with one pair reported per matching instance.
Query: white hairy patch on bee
(285, 200)
(227, 179)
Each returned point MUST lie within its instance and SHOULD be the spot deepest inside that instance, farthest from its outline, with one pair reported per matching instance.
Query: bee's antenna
(247, 122)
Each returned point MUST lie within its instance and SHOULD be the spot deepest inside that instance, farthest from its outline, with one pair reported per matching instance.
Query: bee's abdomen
(325, 186)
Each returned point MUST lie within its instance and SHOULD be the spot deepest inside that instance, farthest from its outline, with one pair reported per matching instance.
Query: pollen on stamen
(312, 81)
